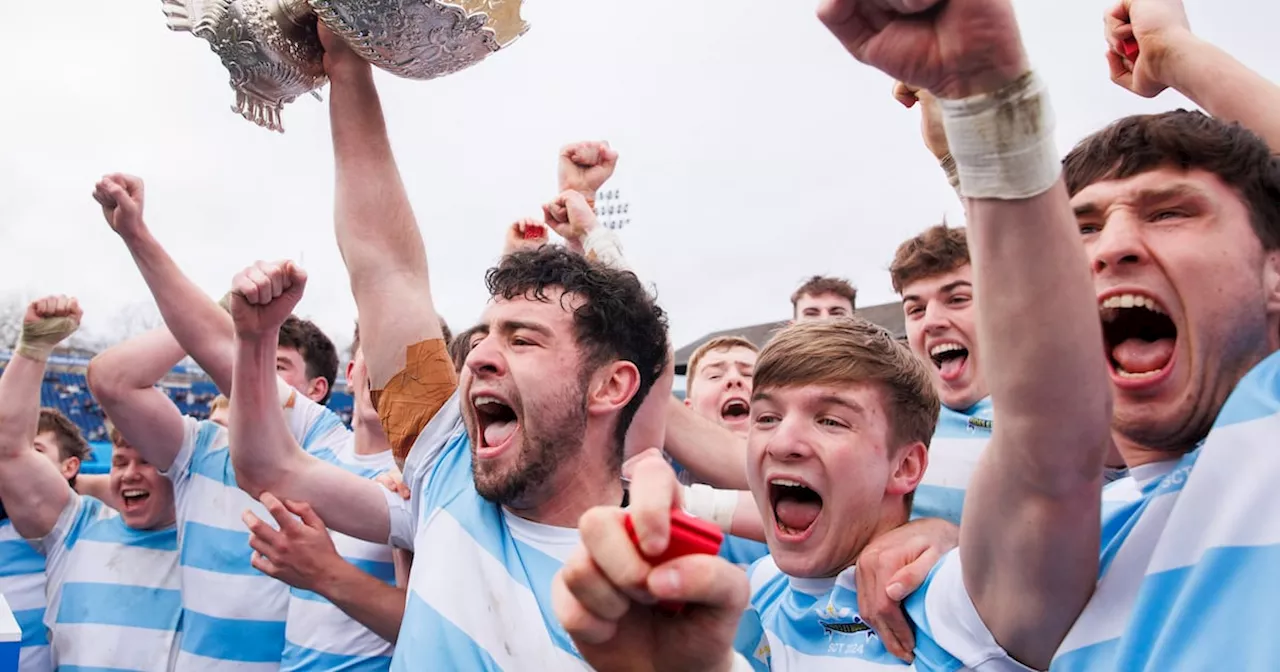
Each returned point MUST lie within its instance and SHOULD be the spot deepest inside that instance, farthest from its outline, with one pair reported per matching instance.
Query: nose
(735, 379)
(1119, 244)
(935, 318)
(789, 441)
(485, 359)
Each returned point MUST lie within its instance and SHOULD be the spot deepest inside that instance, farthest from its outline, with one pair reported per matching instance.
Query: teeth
(1137, 376)
(1132, 301)
(482, 401)
(944, 347)
(786, 482)
(133, 493)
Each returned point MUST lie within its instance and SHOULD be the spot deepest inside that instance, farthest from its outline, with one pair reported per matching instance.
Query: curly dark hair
(1183, 139)
(617, 319)
(316, 349)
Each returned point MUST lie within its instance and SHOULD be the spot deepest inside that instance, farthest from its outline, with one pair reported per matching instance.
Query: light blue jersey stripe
(23, 586)
(1190, 578)
(234, 616)
(485, 603)
(117, 591)
(958, 441)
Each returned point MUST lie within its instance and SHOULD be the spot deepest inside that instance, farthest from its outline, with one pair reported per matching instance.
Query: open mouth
(796, 506)
(134, 498)
(1139, 334)
(950, 359)
(735, 410)
(497, 421)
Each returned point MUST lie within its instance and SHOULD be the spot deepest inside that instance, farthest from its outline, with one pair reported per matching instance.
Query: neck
(369, 437)
(587, 479)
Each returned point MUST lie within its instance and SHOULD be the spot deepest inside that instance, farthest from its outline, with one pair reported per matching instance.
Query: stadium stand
(66, 390)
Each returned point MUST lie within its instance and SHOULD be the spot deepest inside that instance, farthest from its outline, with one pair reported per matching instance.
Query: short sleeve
(429, 445)
(76, 517)
(317, 429)
(192, 432)
(949, 632)
(401, 522)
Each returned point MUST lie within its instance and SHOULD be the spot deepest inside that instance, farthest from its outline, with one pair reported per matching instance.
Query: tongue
(795, 514)
(1138, 356)
(497, 432)
(951, 367)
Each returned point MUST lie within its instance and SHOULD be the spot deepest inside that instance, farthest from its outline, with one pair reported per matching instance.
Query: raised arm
(123, 379)
(377, 232)
(1171, 56)
(201, 327)
(266, 456)
(713, 454)
(33, 491)
(1029, 534)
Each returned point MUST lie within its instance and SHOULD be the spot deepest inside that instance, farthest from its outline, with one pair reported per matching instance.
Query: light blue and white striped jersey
(480, 588)
(319, 635)
(957, 442)
(22, 584)
(802, 625)
(233, 615)
(115, 593)
(1189, 571)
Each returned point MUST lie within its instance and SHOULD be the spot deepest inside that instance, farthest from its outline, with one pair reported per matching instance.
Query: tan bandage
(39, 338)
(414, 395)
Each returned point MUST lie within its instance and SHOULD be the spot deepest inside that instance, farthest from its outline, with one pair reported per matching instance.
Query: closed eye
(832, 422)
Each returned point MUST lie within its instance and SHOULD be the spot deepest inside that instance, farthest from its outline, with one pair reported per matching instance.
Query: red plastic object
(689, 535)
(1130, 47)
(533, 232)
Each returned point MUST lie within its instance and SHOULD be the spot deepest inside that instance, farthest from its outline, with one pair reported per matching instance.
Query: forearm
(376, 230)
(268, 458)
(747, 522)
(1225, 87)
(264, 452)
(97, 486)
(374, 604)
(19, 405)
(713, 454)
(1049, 325)
(201, 327)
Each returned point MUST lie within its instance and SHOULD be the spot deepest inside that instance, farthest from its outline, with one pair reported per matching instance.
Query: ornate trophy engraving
(271, 49)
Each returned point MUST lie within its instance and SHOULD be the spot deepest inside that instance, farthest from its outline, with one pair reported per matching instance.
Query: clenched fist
(264, 295)
(585, 166)
(952, 48)
(571, 216)
(524, 234)
(121, 197)
(1160, 27)
(47, 322)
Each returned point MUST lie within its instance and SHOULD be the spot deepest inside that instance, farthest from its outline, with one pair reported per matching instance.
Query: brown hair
(937, 250)
(218, 402)
(853, 350)
(717, 343)
(1186, 140)
(460, 347)
(819, 285)
(70, 440)
(318, 353)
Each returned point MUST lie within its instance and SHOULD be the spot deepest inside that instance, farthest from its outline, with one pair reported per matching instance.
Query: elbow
(106, 381)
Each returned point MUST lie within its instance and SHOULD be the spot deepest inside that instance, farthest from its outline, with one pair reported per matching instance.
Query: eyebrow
(945, 289)
(1146, 197)
(508, 326)
(824, 400)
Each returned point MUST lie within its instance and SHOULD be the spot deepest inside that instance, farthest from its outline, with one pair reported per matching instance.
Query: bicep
(1030, 558)
(34, 493)
(396, 311)
(149, 422)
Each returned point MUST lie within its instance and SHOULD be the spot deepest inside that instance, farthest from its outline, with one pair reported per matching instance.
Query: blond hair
(855, 351)
(717, 343)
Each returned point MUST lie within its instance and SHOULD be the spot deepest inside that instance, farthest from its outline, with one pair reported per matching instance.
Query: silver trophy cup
(271, 49)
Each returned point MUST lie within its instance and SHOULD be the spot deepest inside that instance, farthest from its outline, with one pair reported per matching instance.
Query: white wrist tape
(709, 504)
(38, 339)
(1002, 142)
(603, 245)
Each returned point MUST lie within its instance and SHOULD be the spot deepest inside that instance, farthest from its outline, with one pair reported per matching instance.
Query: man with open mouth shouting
(113, 583)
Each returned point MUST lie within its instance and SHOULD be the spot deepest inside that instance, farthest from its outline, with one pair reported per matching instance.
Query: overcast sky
(755, 151)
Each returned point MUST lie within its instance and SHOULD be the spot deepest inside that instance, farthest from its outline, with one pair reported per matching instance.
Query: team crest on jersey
(843, 622)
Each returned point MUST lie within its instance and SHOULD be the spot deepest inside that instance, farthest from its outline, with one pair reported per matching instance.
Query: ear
(1271, 287)
(908, 469)
(612, 387)
(70, 468)
(351, 366)
(317, 390)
